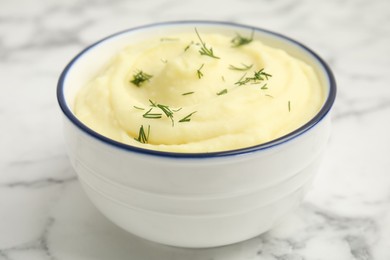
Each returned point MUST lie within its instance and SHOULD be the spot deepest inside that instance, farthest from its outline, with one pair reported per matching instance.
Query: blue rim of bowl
(315, 120)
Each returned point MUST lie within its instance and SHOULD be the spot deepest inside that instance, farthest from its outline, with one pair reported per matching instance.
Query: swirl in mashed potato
(208, 106)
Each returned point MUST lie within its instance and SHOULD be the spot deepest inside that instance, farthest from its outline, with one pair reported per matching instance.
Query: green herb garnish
(165, 109)
(140, 77)
(242, 80)
(188, 46)
(243, 68)
(258, 77)
(222, 92)
(199, 73)
(139, 108)
(239, 40)
(289, 106)
(204, 50)
(269, 96)
(142, 136)
(264, 86)
(150, 115)
(187, 118)
(188, 93)
(260, 74)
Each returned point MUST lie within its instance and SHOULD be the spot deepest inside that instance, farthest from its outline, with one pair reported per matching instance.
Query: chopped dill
(165, 109)
(239, 40)
(187, 118)
(140, 77)
(150, 115)
(258, 77)
(204, 50)
(142, 136)
(199, 73)
(222, 92)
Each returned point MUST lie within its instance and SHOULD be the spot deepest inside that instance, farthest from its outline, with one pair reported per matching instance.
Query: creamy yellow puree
(216, 112)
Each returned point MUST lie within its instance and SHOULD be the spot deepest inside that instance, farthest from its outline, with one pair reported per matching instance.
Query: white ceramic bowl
(193, 200)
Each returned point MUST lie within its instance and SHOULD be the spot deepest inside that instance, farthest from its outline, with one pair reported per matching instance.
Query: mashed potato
(199, 92)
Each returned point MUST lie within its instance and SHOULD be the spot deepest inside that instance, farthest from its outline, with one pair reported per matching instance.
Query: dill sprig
(140, 77)
(165, 109)
(258, 77)
(188, 93)
(243, 68)
(142, 135)
(150, 115)
(240, 40)
(289, 106)
(187, 118)
(222, 92)
(188, 46)
(204, 50)
(139, 108)
(242, 80)
(260, 74)
(199, 73)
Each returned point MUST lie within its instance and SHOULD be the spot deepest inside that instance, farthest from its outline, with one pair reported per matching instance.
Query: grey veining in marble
(45, 215)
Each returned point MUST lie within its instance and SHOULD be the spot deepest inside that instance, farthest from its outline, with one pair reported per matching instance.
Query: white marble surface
(45, 215)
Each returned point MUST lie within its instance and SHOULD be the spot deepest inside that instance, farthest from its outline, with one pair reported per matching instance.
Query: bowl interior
(92, 60)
